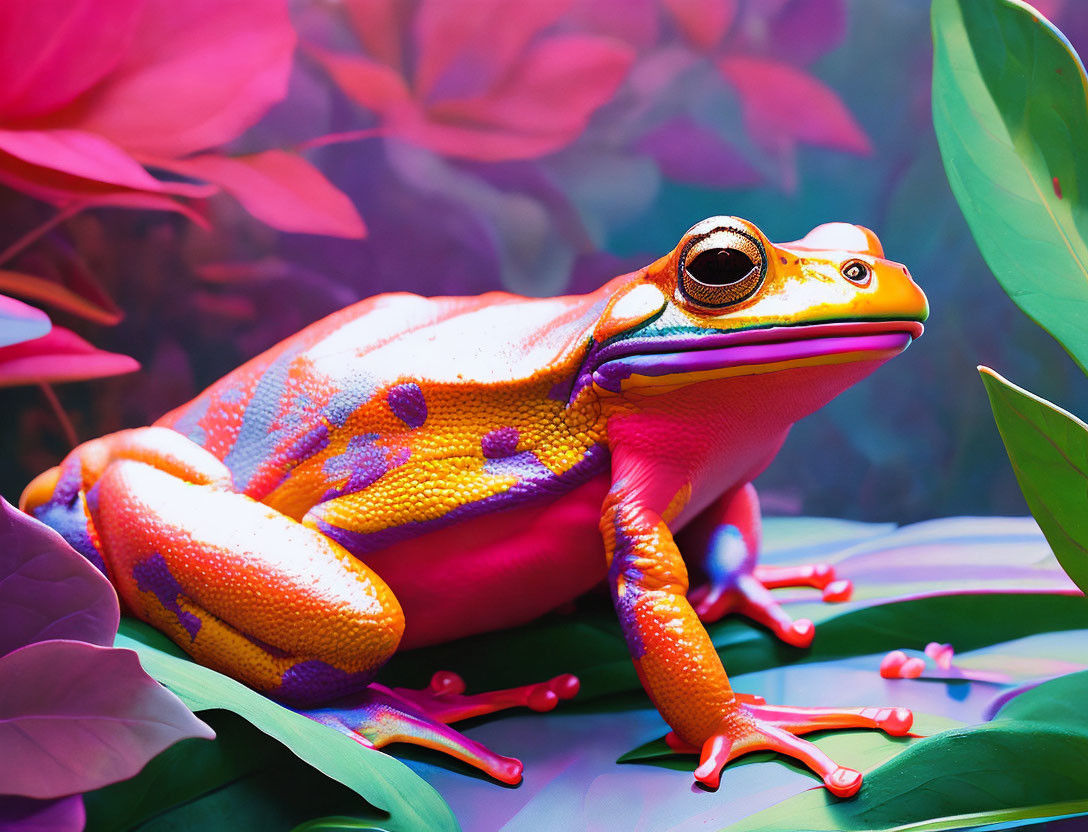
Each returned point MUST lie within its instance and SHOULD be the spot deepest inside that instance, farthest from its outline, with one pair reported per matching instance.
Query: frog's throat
(666, 363)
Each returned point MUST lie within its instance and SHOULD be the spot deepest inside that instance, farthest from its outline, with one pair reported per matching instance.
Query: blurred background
(536, 147)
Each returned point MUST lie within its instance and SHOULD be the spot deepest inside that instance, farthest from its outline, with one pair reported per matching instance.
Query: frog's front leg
(681, 670)
(724, 540)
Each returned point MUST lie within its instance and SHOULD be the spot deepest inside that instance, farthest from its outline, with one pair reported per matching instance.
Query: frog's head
(726, 302)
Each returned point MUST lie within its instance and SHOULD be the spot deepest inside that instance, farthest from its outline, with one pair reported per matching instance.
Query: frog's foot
(748, 593)
(380, 716)
(445, 700)
(745, 595)
(756, 726)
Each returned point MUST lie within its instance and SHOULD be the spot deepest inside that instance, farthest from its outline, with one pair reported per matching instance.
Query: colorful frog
(409, 471)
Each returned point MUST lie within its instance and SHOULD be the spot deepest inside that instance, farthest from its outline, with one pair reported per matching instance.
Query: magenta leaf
(281, 189)
(76, 717)
(195, 75)
(25, 814)
(20, 322)
(783, 104)
(80, 154)
(467, 46)
(59, 356)
(52, 51)
(47, 589)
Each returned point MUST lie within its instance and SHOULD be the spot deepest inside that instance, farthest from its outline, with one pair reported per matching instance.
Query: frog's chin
(711, 356)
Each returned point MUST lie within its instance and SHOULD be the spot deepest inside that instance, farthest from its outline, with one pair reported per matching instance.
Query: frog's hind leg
(242, 588)
(381, 716)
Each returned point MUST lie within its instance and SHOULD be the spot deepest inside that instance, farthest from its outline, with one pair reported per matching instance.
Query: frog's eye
(722, 269)
(856, 271)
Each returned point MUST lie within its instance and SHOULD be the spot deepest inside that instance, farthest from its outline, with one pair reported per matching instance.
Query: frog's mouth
(683, 359)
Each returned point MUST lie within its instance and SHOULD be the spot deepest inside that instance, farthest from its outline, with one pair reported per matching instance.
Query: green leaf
(1048, 449)
(1030, 762)
(1010, 108)
(335, 823)
(184, 773)
(379, 778)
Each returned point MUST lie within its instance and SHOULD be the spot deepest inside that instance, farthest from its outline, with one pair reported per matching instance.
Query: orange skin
(409, 471)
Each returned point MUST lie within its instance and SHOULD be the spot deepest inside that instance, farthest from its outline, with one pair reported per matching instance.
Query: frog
(409, 471)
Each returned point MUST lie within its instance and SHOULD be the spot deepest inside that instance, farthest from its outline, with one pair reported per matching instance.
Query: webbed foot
(748, 593)
(380, 716)
(752, 725)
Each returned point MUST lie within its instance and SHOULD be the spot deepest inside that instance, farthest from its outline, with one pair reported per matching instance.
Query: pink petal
(281, 189)
(59, 356)
(80, 154)
(543, 104)
(197, 74)
(20, 322)
(379, 25)
(51, 51)
(76, 717)
(703, 22)
(48, 590)
(465, 46)
(64, 189)
(369, 83)
(780, 102)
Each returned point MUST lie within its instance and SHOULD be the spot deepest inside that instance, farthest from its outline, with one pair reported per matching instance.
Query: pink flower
(484, 83)
(759, 50)
(96, 92)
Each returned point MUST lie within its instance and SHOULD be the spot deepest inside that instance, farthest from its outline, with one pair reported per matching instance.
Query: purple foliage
(47, 590)
(75, 713)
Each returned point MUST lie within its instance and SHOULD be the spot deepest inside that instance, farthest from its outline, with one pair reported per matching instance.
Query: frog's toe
(817, 575)
(377, 718)
(756, 602)
(755, 726)
(445, 699)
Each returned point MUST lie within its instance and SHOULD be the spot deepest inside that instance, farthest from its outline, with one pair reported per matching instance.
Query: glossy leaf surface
(1027, 763)
(1048, 449)
(76, 716)
(379, 778)
(1009, 99)
(47, 589)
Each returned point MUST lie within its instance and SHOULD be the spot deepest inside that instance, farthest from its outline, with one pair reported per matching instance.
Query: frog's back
(398, 389)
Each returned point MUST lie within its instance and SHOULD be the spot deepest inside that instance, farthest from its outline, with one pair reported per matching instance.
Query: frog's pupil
(720, 266)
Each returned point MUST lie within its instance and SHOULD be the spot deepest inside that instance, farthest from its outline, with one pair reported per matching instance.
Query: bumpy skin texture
(410, 470)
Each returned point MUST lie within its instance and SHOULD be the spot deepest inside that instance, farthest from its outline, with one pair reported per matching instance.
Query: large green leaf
(1048, 448)
(1010, 108)
(1030, 762)
(244, 779)
(379, 778)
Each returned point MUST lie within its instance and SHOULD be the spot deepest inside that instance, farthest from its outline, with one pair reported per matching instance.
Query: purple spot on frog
(407, 403)
(524, 466)
(314, 681)
(69, 520)
(153, 575)
(315, 440)
(500, 443)
(362, 462)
